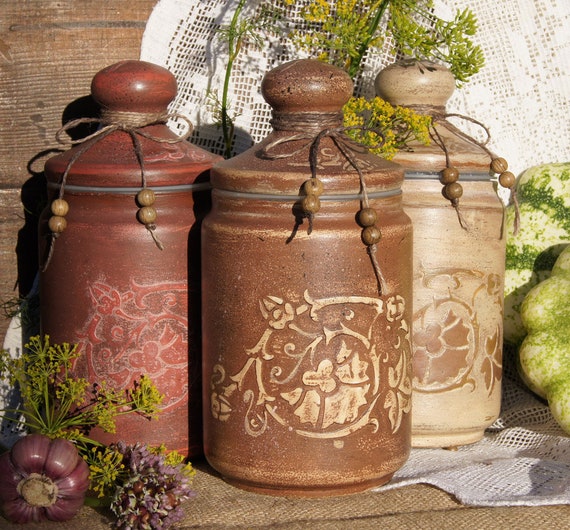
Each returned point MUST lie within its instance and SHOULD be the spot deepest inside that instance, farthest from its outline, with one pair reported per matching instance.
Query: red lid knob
(134, 86)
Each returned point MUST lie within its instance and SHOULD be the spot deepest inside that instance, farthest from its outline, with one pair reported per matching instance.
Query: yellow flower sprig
(383, 128)
(105, 468)
(341, 32)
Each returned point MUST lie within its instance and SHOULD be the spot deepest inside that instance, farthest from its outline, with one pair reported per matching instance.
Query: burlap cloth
(220, 506)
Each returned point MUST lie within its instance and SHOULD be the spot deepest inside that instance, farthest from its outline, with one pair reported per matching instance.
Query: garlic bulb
(42, 479)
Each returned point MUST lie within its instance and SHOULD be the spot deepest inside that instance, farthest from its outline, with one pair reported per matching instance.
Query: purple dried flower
(150, 497)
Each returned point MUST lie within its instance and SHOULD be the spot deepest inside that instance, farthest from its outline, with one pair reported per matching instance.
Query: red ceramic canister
(306, 365)
(122, 277)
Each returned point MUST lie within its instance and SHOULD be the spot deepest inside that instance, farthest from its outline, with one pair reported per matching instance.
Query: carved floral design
(317, 368)
(143, 330)
(455, 336)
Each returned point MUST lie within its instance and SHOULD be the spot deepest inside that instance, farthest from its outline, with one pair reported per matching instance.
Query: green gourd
(544, 354)
(543, 194)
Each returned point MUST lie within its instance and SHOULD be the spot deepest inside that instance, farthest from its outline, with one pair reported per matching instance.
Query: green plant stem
(234, 45)
(354, 65)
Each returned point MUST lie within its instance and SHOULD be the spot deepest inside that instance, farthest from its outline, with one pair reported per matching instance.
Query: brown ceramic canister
(458, 269)
(306, 367)
(128, 293)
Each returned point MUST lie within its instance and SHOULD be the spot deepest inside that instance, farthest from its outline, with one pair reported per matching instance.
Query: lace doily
(181, 35)
(523, 459)
(521, 94)
(11, 426)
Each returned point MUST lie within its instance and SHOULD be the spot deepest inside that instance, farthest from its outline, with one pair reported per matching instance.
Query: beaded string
(313, 187)
(449, 176)
(111, 121)
(452, 190)
(499, 166)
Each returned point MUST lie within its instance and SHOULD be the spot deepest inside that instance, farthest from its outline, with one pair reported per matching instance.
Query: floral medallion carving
(318, 369)
(143, 330)
(458, 335)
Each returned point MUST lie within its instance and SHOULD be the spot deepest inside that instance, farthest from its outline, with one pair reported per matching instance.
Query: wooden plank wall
(49, 51)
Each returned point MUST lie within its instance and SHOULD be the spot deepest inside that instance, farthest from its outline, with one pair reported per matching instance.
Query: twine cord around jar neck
(305, 122)
(133, 124)
(312, 128)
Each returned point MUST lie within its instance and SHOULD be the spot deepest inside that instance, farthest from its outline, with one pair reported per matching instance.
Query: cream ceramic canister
(119, 251)
(459, 257)
(306, 365)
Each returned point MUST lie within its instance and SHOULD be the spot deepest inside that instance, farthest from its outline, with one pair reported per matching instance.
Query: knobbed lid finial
(414, 83)
(134, 86)
(306, 85)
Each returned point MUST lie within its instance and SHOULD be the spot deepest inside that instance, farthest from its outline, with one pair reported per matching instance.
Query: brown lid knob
(306, 85)
(409, 83)
(134, 86)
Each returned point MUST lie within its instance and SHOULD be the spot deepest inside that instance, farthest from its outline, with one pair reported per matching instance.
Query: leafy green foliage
(242, 29)
(58, 404)
(342, 31)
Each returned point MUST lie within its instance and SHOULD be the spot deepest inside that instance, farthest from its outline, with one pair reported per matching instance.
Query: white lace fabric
(521, 94)
(523, 459)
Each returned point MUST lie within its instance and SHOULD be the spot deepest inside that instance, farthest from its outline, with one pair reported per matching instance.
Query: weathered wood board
(49, 51)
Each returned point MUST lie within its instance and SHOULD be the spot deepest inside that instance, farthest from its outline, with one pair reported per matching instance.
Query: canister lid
(306, 97)
(133, 97)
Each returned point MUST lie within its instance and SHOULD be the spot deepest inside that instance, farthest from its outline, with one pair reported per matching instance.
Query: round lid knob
(414, 82)
(134, 86)
(306, 85)
(427, 86)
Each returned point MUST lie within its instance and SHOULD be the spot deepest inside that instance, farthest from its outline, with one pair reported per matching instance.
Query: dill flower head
(382, 128)
(341, 32)
(155, 485)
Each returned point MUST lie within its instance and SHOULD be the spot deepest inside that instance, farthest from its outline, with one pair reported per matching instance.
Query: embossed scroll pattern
(317, 368)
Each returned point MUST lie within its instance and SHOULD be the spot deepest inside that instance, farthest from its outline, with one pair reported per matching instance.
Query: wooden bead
(146, 215)
(371, 235)
(449, 175)
(499, 165)
(367, 217)
(311, 204)
(453, 190)
(313, 186)
(507, 179)
(146, 197)
(59, 207)
(57, 224)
